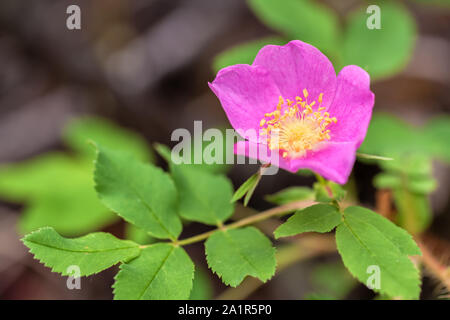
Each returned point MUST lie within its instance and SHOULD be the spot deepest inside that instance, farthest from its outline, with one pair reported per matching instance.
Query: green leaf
(441, 3)
(244, 53)
(201, 287)
(365, 239)
(411, 172)
(162, 272)
(300, 19)
(290, 194)
(91, 253)
(389, 136)
(237, 253)
(436, 134)
(140, 193)
(385, 51)
(205, 149)
(413, 210)
(58, 191)
(409, 165)
(422, 185)
(402, 239)
(317, 218)
(80, 131)
(387, 181)
(203, 196)
(410, 147)
(247, 188)
(137, 235)
(333, 280)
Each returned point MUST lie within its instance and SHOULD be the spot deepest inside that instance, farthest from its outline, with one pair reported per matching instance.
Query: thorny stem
(284, 209)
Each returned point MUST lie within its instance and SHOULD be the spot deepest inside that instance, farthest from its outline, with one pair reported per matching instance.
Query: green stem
(278, 211)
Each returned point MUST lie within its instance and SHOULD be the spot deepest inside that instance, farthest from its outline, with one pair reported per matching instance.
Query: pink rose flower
(299, 108)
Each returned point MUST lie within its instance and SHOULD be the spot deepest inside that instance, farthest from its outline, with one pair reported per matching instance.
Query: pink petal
(297, 66)
(334, 162)
(352, 105)
(262, 153)
(246, 94)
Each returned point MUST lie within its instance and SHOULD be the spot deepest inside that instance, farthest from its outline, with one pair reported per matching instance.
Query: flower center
(294, 127)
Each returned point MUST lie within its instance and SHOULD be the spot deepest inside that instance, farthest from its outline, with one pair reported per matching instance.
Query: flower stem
(284, 209)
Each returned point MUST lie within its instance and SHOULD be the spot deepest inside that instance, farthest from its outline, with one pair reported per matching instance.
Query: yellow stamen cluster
(294, 127)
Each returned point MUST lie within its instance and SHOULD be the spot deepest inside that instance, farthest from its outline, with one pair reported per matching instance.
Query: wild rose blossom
(299, 108)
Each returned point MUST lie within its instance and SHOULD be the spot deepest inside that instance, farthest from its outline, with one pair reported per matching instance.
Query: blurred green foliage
(58, 188)
(382, 52)
(78, 133)
(409, 175)
(201, 286)
(290, 194)
(390, 136)
(304, 20)
(331, 281)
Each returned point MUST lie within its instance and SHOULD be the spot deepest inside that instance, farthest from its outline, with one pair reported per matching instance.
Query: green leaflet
(203, 149)
(316, 218)
(365, 239)
(332, 280)
(441, 3)
(402, 239)
(300, 19)
(137, 235)
(247, 188)
(203, 196)
(140, 193)
(392, 137)
(291, 194)
(385, 51)
(91, 253)
(162, 272)
(389, 136)
(237, 253)
(201, 286)
(47, 184)
(410, 179)
(414, 210)
(436, 134)
(244, 53)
